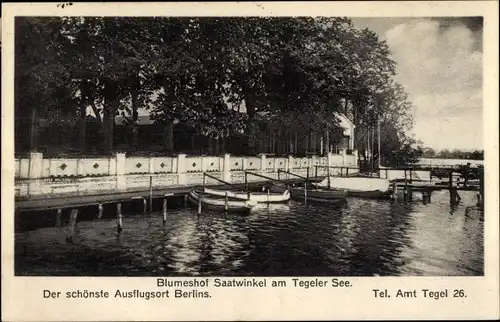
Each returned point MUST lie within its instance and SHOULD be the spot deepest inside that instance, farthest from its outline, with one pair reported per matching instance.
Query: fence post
(289, 166)
(35, 165)
(121, 161)
(181, 169)
(227, 167)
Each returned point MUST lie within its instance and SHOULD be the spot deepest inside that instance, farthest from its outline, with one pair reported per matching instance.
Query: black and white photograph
(248, 146)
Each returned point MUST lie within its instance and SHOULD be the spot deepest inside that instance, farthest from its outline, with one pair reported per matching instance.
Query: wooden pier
(74, 201)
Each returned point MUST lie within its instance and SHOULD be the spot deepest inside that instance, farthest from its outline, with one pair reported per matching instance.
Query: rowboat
(337, 197)
(259, 197)
(216, 203)
(358, 186)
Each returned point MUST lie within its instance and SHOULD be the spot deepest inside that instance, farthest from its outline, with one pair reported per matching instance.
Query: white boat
(220, 204)
(259, 197)
(358, 186)
(333, 197)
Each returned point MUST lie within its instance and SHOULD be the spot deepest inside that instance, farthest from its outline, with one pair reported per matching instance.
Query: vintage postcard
(250, 161)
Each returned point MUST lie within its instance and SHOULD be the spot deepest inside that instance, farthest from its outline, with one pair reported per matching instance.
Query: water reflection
(365, 238)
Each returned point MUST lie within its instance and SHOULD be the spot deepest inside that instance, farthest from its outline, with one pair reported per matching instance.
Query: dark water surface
(366, 238)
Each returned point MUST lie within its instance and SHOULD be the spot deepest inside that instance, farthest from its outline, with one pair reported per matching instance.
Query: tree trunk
(296, 144)
(108, 127)
(251, 126)
(33, 132)
(223, 145)
(210, 146)
(168, 140)
(135, 117)
(217, 146)
(110, 108)
(82, 131)
(193, 146)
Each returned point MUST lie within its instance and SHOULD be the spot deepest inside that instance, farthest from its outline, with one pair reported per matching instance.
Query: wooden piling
(164, 210)
(226, 200)
(199, 206)
(454, 196)
(150, 193)
(72, 225)
(394, 191)
(410, 193)
(58, 218)
(305, 192)
(100, 208)
(425, 196)
(479, 200)
(268, 196)
(406, 180)
(119, 223)
(347, 172)
(341, 172)
(144, 205)
(185, 201)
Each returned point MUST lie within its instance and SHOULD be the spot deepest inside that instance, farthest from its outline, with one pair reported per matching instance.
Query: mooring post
(394, 191)
(58, 217)
(386, 174)
(279, 171)
(307, 176)
(246, 181)
(144, 205)
(405, 189)
(226, 200)
(315, 171)
(101, 210)
(453, 196)
(268, 197)
(479, 200)
(185, 201)
(305, 193)
(410, 187)
(203, 180)
(150, 193)
(72, 225)
(425, 196)
(164, 208)
(341, 171)
(119, 223)
(347, 172)
(199, 206)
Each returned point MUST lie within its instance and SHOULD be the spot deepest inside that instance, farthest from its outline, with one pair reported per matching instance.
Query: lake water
(366, 238)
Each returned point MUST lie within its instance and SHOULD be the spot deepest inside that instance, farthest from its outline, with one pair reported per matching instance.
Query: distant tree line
(453, 154)
(219, 76)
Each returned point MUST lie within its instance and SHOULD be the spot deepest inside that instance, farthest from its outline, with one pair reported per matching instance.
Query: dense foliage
(221, 76)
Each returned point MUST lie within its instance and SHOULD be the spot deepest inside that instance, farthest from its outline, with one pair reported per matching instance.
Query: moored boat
(358, 186)
(216, 203)
(260, 197)
(313, 195)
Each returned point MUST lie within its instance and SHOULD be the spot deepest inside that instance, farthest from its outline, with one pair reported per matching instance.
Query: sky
(439, 62)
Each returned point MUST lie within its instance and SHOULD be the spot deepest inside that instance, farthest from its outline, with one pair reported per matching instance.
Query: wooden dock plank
(69, 201)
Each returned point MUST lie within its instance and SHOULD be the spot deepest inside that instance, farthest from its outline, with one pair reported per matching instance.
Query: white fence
(37, 167)
(39, 176)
